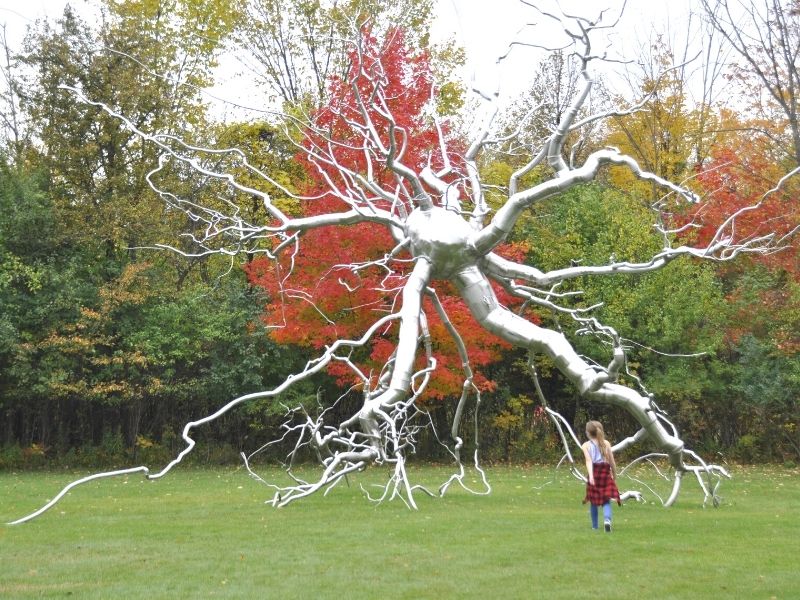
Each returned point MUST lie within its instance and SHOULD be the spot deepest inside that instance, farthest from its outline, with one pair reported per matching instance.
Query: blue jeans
(606, 513)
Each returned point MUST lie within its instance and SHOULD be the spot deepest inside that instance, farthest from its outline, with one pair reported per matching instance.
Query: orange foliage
(327, 291)
(733, 181)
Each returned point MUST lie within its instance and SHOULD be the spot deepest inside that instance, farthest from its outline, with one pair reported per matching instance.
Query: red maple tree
(734, 180)
(340, 281)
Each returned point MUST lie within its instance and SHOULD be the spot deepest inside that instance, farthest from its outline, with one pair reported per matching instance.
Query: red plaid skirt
(604, 488)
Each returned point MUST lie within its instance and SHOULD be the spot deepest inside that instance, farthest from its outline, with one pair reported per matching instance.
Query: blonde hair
(594, 430)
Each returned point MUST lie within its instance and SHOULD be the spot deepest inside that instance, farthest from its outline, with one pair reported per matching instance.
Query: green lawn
(200, 533)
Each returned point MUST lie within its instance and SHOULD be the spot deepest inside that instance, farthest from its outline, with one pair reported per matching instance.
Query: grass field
(207, 533)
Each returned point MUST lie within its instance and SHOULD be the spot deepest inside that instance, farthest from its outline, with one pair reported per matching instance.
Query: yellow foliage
(34, 450)
(143, 442)
(89, 313)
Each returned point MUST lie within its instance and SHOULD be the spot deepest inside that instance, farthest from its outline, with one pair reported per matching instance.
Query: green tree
(45, 277)
(148, 59)
(80, 310)
(675, 310)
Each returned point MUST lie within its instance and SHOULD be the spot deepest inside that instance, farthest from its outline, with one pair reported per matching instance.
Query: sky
(483, 27)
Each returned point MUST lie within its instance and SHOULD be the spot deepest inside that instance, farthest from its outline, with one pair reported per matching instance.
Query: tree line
(108, 344)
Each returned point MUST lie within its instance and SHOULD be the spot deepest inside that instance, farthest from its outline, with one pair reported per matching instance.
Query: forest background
(107, 346)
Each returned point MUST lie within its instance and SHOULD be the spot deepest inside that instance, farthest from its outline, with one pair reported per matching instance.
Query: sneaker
(608, 526)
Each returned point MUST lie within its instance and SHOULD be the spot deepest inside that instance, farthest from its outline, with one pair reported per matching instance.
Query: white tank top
(595, 454)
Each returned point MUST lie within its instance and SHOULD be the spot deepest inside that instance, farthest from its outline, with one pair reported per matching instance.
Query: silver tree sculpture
(444, 230)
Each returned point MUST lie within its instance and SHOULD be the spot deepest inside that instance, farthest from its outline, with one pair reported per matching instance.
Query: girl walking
(601, 468)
